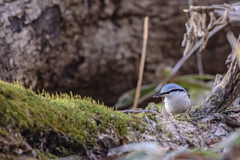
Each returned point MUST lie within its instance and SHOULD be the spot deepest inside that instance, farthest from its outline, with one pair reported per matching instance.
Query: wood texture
(224, 92)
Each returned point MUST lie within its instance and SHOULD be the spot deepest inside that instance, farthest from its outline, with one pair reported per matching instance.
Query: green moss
(71, 115)
(198, 107)
(169, 135)
(234, 107)
(160, 129)
(3, 132)
(47, 155)
(42, 156)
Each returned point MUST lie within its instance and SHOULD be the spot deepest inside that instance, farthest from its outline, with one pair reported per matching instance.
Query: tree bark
(223, 93)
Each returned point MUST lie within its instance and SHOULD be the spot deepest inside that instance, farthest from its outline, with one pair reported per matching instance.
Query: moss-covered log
(48, 126)
(58, 125)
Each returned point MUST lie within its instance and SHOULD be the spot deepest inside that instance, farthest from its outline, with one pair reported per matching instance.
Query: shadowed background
(93, 48)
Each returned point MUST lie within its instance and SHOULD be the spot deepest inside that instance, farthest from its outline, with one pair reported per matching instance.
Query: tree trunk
(223, 93)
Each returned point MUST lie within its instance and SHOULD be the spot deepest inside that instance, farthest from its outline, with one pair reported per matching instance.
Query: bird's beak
(158, 95)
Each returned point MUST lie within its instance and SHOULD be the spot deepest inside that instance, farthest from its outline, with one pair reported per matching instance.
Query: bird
(177, 99)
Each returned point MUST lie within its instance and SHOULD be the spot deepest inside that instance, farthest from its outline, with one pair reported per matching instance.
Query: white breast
(177, 102)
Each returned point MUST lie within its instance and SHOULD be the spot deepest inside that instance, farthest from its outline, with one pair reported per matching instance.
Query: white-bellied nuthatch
(177, 99)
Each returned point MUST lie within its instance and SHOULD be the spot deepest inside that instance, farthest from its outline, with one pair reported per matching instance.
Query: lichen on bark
(223, 93)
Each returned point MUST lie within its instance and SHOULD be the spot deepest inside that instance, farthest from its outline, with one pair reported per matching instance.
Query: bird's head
(171, 90)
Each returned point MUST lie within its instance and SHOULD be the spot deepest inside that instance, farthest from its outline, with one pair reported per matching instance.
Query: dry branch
(224, 93)
(141, 68)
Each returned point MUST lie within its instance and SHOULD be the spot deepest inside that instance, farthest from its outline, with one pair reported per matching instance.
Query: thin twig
(183, 142)
(213, 7)
(140, 111)
(141, 68)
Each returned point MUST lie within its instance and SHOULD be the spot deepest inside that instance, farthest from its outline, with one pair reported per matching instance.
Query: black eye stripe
(173, 90)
